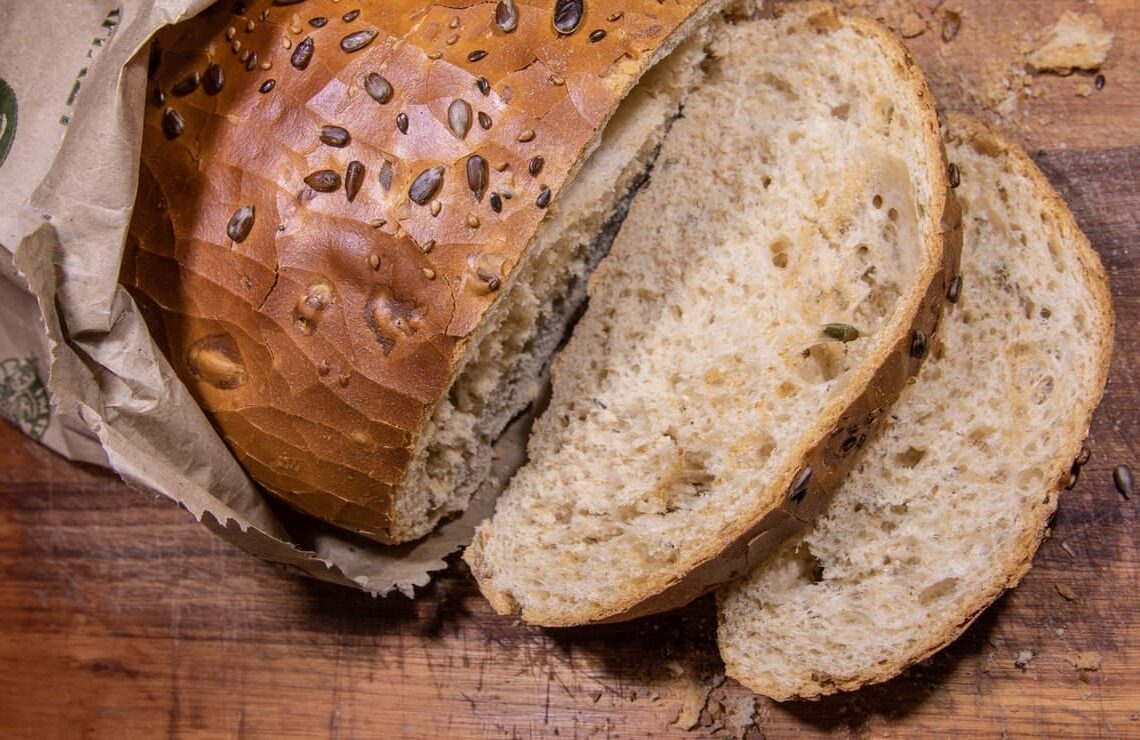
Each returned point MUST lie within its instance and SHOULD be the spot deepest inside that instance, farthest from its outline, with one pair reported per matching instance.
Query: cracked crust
(321, 343)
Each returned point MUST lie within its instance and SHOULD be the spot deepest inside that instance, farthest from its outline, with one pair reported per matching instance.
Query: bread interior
(521, 331)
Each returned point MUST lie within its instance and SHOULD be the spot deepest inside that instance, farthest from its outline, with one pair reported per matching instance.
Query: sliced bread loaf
(947, 507)
(769, 294)
(340, 237)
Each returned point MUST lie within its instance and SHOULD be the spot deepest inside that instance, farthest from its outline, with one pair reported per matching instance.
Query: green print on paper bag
(23, 399)
(7, 120)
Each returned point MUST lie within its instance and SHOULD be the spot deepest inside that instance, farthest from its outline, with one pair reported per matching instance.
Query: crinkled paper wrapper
(78, 369)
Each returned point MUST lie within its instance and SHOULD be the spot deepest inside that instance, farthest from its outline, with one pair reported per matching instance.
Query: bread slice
(805, 185)
(946, 508)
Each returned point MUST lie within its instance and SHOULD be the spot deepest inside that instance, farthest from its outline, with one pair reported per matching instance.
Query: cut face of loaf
(946, 508)
(702, 409)
(333, 235)
(520, 333)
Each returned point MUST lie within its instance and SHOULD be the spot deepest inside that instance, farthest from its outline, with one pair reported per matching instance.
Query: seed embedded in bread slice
(700, 411)
(947, 507)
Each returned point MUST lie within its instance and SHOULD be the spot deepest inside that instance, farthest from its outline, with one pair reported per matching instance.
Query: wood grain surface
(120, 617)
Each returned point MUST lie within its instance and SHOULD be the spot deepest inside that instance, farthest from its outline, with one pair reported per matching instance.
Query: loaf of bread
(946, 508)
(769, 295)
(335, 235)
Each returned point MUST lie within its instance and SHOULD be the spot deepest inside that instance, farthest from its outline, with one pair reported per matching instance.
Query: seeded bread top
(333, 194)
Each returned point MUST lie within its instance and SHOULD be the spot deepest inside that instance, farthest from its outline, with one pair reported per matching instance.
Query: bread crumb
(951, 24)
(912, 25)
(675, 669)
(1075, 41)
(1088, 662)
(740, 714)
(1066, 593)
(1023, 659)
(692, 704)
(1084, 90)
(1003, 84)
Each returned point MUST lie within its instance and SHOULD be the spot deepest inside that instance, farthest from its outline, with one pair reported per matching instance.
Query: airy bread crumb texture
(787, 197)
(523, 328)
(946, 508)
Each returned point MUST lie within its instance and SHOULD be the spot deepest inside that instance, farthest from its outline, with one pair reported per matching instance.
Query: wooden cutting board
(120, 617)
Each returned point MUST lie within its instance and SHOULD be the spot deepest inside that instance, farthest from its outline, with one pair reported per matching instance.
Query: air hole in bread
(780, 85)
(910, 457)
(821, 363)
(979, 436)
(810, 567)
(1032, 477)
(876, 304)
(780, 249)
(1028, 307)
(886, 111)
(1043, 389)
(937, 591)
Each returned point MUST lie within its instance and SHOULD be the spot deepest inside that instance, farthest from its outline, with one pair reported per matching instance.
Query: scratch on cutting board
(334, 714)
(546, 709)
(175, 711)
(435, 682)
(567, 689)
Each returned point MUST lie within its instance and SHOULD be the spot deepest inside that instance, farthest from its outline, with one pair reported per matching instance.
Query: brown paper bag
(78, 370)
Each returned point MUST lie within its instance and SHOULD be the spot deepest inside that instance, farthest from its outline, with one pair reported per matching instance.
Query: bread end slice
(946, 508)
